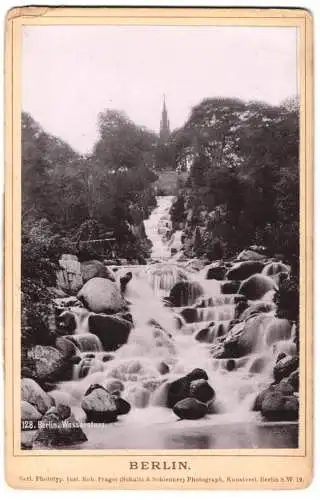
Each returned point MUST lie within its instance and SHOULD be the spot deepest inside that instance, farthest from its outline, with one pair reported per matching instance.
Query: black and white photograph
(160, 237)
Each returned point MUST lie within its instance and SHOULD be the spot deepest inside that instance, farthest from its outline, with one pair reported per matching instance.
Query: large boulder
(32, 393)
(257, 308)
(69, 277)
(101, 295)
(100, 406)
(285, 366)
(243, 270)
(274, 268)
(285, 387)
(55, 432)
(204, 335)
(243, 338)
(215, 271)
(231, 349)
(190, 314)
(230, 287)
(257, 404)
(95, 269)
(66, 346)
(190, 409)
(48, 364)
(113, 331)
(201, 390)
(29, 412)
(255, 287)
(231, 345)
(250, 255)
(185, 293)
(277, 407)
(291, 408)
(180, 388)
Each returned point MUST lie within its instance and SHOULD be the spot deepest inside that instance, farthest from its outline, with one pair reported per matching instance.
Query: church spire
(164, 123)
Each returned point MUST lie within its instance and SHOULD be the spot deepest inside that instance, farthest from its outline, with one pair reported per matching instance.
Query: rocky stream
(175, 354)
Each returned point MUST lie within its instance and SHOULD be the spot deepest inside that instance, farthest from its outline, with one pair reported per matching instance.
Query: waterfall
(156, 231)
(169, 342)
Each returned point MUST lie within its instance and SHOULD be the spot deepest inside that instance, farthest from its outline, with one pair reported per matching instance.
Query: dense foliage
(69, 199)
(243, 185)
(108, 191)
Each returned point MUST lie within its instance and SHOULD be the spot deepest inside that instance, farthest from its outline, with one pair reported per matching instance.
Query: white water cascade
(166, 344)
(156, 227)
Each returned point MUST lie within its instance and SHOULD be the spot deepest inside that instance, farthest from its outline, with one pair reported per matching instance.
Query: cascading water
(156, 228)
(168, 342)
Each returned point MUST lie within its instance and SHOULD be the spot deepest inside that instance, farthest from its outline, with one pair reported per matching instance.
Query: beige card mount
(158, 248)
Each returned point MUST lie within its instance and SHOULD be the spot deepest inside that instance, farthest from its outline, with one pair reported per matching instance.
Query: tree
(123, 145)
(122, 165)
(53, 177)
(245, 157)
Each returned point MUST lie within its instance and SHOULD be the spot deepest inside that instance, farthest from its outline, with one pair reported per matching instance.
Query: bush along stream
(174, 353)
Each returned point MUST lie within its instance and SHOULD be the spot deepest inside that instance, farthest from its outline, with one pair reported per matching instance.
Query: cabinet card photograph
(158, 248)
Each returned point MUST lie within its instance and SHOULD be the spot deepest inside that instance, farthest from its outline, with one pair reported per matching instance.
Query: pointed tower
(164, 123)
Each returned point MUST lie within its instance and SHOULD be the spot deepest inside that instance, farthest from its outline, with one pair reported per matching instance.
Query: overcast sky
(71, 73)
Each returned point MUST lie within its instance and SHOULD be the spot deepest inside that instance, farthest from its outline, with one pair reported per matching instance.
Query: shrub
(217, 251)
(287, 298)
(36, 314)
(177, 211)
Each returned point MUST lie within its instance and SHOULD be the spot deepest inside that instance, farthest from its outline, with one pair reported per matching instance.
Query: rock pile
(104, 404)
(52, 420)
(189, 396)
